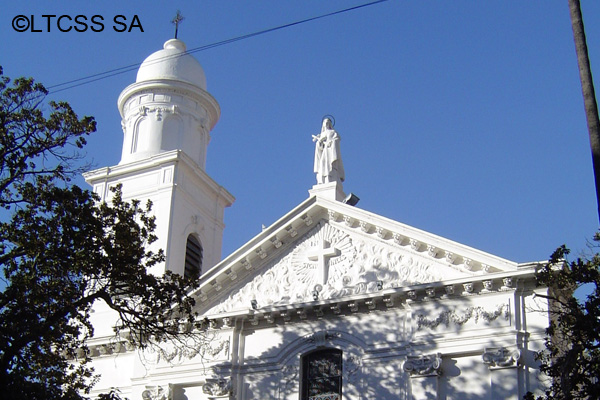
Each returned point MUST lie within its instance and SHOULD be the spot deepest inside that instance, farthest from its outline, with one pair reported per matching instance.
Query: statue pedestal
(330, 191)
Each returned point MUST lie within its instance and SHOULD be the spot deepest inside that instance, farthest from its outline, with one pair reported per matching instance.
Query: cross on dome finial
(178, 18)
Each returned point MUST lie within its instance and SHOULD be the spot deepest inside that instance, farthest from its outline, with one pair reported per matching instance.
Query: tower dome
(173, 63)
(168, 107)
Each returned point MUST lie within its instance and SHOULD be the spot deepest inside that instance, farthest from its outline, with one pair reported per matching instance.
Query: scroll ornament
(500, 357)
(217, 387)
(424, 365)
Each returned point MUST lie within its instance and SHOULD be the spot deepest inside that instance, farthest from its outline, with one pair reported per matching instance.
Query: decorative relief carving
(500, 357)
(246, 264)
(261, 253)
(488, 285)
(352, 266)
(220, 347)
(468, 287)
(364, 226)
(388, 301)
(318, 310)
(157, 393)
(157, 110)
(217, 387)
(432, 250)
(285, 315)
(350, 367)
(371, 304)
(291, 231)
(321, 338)
(307, 220)
(471, 313)
(322, 257)
(231, 274)
(398, 238)
(270, 318)
(322, 253)
(209, 350)
(424, 365)
(216, 285)
(381, 233)
(332, 215)
(468, 263)
(415, 244)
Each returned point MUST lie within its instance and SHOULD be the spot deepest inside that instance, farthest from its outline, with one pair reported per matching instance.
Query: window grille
(193, 258)
(322, 375)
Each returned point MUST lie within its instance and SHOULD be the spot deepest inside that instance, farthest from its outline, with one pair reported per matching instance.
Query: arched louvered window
(322, 375)
(193, 258)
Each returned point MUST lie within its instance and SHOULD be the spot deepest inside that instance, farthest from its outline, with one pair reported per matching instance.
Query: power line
(121, 70)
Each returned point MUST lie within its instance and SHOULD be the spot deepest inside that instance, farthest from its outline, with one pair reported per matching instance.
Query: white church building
(329, 302)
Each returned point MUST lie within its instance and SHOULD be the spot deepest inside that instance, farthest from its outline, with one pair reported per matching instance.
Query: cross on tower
(178, 18)
(322, 253)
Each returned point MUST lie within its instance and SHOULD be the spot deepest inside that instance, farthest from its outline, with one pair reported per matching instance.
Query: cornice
(268, 243)
(462, 289)
(186, 89)
(158, 161)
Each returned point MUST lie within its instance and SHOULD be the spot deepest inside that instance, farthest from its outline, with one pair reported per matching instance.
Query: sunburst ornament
(323, 257)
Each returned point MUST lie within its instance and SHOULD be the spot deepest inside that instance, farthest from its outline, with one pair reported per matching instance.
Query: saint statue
(328, 158)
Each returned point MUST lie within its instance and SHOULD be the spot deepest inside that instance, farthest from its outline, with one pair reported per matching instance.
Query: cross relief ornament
(322, 258)
(321, 254)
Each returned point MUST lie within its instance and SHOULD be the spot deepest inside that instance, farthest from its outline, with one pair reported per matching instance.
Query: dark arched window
(193, 258)
(322, 375)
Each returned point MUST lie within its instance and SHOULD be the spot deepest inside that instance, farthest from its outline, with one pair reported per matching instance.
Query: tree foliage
(572, 355)
(61, 251)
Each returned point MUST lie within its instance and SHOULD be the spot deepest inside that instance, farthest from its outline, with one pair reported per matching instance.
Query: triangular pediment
(326, 250)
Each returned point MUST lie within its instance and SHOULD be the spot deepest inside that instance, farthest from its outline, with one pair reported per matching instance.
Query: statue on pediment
(328, 158)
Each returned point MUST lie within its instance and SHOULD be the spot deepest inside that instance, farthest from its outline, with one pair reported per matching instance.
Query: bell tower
(167, 116)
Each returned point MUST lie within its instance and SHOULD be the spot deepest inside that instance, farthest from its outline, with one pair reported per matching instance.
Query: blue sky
(461, 118)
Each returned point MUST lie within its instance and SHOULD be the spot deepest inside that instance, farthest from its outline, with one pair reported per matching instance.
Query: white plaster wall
(465, 378)
(264, 361)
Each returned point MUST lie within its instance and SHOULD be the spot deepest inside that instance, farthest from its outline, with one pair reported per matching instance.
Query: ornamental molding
(157, 393)
(500, 357)
(218, 387)
(327, 263)
(471, 313)
(210, 349)
(424, 365)
(322, 338)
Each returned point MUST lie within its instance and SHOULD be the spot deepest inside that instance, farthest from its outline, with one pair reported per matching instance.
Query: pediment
(326, 250)
(328, 262)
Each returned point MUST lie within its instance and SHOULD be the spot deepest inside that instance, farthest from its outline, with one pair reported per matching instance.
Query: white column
(424, 373)
(503, 365)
